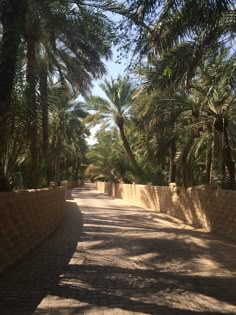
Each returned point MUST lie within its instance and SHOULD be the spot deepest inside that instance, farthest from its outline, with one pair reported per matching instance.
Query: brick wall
(212, 209)
(26, 218)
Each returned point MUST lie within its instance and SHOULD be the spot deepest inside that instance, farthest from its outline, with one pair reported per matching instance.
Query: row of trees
(50, 52)
(177, 125)
(181, 121)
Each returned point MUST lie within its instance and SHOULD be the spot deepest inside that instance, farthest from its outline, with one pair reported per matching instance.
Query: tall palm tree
(114, 109)
(161, 120)
(202, 121)
(214, 90)
(71, 37)
(11, 13)
(56, 48)
(66, 145)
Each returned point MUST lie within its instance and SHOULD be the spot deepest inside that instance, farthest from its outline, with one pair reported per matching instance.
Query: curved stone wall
(211, 209)
(26, 219)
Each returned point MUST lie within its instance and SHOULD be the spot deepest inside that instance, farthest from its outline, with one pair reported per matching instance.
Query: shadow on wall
(26, 219)
(118, 190)
(211, 209)
(208, 208)
(24, 285)
(186, 206)
(173, 201)
(155, 197)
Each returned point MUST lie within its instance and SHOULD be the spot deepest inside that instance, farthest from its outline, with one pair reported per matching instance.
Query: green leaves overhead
(118, 99)
(114, 110)
(178, 124)
(61, 46)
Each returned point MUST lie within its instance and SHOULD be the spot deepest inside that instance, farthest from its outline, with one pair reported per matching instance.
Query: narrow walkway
(128, 261)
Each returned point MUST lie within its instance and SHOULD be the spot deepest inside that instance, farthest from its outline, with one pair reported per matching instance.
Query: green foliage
(177, 125)
(107, 159)
(114, 110)
(59, 47)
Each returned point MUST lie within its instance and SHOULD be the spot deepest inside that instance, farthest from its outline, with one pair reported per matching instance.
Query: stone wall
(212, 209)
(26, 219)
(74, 183)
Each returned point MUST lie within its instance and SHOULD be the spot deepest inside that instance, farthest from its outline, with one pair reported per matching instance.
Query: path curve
(127, 261)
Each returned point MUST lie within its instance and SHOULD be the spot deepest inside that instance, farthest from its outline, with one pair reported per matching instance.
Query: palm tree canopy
(117, 103)
(115, 109)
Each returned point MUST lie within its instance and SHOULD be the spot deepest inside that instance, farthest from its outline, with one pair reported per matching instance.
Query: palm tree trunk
(77, 165)
(172, 170)
(11, 18)
(208, 165)
(126, 145)
(32, 107)
(228, 166)
(214, 162)
(57, 170)
(44, 109)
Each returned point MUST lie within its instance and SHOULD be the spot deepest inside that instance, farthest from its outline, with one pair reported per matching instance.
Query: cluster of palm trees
(177, 125)
(181, 119)
(50, 52)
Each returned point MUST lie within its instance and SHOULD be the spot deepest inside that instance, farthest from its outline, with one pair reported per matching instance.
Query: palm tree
(11, 13)
(15, 149)
(66, 147)
(71, 57)
(114, 109)
(179, 34)
(14, 15)
(161, 120)
(214, 90)
(70, 39)
(201, 122)
(106, 159)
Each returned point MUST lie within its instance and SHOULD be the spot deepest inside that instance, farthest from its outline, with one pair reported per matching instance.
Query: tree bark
(208, 165)
(214, 162)
(44, 109)
(11, 16)
(32, 107)
(77, 166)
(172, 170)
(11, 12)
(130, 155)
(228, 166)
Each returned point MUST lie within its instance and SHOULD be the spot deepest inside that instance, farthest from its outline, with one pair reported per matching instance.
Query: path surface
(126, 261)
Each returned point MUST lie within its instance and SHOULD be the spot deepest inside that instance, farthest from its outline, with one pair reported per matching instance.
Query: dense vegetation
(50, 53)
(177, 125)
(181, 123)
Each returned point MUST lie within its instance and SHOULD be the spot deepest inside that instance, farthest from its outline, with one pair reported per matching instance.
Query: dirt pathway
(128, 261)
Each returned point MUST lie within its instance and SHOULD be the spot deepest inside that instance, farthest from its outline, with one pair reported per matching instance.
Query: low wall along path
(211, 209)
(110, 257)
(26, 219)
